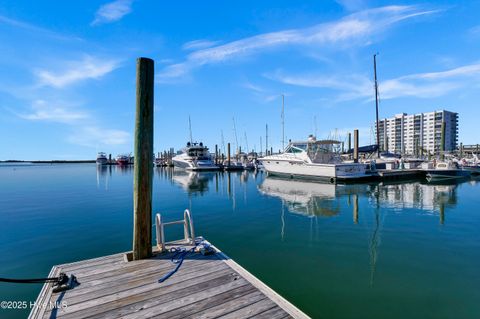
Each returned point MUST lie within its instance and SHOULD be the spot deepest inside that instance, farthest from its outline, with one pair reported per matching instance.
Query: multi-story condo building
(419, 133)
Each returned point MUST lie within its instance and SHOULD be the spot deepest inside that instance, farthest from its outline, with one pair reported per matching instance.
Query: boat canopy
(365, 149)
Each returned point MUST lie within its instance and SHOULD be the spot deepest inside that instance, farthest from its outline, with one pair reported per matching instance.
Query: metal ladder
(188, 231)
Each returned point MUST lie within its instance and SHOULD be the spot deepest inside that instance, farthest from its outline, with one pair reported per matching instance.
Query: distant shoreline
(50, 162)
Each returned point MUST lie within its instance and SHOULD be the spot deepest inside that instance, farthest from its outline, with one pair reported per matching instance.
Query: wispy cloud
(92, 136)
(474, 31)
(260, 93)
(352, 29)
(74, 71)
(36, 29)
(42, 110)
(421, 85)
(112, 11)
(198, 44)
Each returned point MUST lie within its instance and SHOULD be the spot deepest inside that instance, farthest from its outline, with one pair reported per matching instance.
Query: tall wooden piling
(143, 168)
(442, 140)
(355, 146)
(228, 154)
(216, 154)
(349, 142)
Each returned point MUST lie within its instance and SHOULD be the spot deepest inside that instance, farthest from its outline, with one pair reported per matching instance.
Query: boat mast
(376, 102)
(235, 132)
(266, 139)
(246, 142)
(283, 122)
(190, 128)
(223, 142)
(261, 145)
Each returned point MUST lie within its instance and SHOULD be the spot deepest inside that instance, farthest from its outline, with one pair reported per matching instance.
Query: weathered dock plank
(211, 286)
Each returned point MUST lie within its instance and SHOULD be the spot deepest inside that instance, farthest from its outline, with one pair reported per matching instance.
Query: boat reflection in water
(310, 198)
(194, 183)
(316, 199)
(323, 199)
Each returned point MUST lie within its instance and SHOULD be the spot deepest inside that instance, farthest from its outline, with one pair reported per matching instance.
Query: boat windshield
(296, 148)
(198, 152)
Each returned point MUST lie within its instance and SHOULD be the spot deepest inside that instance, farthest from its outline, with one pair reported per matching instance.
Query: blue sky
(67, 80)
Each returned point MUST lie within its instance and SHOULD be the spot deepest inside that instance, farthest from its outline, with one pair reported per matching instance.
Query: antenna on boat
(376, 102)
(315, 124)
(283, 121)
(190, 129)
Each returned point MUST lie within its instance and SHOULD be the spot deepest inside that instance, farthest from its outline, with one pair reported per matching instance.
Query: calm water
(336, 251)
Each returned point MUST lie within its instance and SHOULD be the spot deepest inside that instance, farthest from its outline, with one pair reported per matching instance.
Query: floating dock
(212, 286)
(398, 174)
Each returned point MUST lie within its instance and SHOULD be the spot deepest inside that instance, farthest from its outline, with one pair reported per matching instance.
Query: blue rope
(177, 258)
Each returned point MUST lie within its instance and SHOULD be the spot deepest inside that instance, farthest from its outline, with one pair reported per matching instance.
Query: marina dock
(211, 286)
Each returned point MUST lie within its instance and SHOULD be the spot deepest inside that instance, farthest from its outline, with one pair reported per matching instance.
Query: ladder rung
(175, 222)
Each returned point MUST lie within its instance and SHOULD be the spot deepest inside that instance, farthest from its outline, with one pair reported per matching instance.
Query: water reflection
(194, 183)
(104, 174)
(324, 199)
(311, 198)
(316, 199)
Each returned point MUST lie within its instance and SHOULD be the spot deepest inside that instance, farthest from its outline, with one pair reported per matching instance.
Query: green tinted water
(336, 251)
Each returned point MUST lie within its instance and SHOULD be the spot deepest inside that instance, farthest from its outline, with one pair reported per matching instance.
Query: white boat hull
(195, 166)
(313, 170)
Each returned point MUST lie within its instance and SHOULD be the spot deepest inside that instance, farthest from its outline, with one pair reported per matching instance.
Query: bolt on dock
(205, 286)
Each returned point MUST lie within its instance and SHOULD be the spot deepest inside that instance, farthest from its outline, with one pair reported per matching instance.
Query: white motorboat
(313, 159)
(195, 157)
(102, 158)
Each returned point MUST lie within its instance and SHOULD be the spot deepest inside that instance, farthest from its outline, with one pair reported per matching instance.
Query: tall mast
(283, 122)
(223, 142)
(235, 132)
(261, 145)
(376, 102)
(246, 142)
(190, 128)
(266, 139)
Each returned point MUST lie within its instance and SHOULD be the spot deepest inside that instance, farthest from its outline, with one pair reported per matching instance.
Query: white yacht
(195, 157)
(313, 159)
(102, 158)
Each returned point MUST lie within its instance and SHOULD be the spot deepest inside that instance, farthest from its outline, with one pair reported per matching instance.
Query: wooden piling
(143, 168)
(355, 146)
(228, 154)
(216, 154)
(442, 140)
(349, 142)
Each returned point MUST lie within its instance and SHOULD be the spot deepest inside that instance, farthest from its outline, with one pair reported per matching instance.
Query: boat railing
(188, 230)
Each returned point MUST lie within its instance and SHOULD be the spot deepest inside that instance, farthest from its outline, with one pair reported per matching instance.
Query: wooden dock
(212, 286)
(398, 174)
